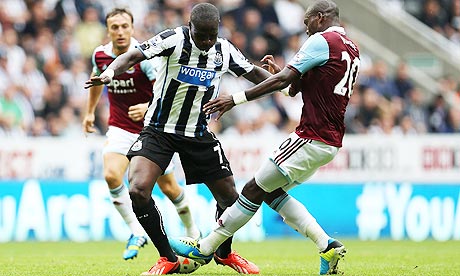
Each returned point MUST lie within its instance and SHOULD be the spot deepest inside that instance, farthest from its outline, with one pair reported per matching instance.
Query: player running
(324, 71)
(129, 94)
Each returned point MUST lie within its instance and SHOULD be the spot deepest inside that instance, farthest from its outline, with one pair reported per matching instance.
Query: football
(187, 265)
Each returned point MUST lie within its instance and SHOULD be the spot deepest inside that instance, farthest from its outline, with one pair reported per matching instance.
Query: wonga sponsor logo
(196, 76)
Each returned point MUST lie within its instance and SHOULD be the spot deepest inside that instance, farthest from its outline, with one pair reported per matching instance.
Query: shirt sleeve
(238, 63)
(162, 44)
(95, 70)
(149, 67)
(314, 52)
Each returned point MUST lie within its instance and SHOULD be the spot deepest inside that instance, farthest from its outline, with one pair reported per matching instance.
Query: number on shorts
(219, 151)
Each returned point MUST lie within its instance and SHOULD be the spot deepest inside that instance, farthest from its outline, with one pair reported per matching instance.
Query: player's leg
(298, 166)
(142, 174)
(115, 165)
(224, 191)
(169, 186)
(296, 215)
(204, 161)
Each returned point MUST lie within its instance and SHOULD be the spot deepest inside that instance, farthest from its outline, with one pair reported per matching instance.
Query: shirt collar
(336, 29)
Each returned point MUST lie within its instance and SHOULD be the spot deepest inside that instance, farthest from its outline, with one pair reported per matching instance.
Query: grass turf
(274, 257)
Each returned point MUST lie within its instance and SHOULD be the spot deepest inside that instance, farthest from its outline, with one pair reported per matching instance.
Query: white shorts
(120, 140)
(293, 162)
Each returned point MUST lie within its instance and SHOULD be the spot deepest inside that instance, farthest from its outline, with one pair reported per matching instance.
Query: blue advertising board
(81, 211)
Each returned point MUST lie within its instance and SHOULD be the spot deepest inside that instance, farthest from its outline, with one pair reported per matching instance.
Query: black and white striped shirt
(187, 78)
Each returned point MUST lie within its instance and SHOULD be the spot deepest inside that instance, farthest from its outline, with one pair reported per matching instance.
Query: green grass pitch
(274, 257)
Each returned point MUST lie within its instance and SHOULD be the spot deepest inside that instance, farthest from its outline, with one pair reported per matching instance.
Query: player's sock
(296, 215)
(226, 247)
(122, 202)
(229, 222)
(150, 219)
(183, 210)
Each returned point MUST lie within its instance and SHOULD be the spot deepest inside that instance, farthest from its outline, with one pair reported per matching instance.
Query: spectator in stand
(415, 108)
(89, 32)
(401, 81)
(438, 113)
(381, 82)
(38, 19)
(16, 55)
(16, 111)
(33, 83)
(454, 15)
(370, 108)
(290, 15)
(5, 78)
(13, 14)
(434, 15)
(252, 24)
(454, 120)
(352, 120)
(266, 9)
(54, 99)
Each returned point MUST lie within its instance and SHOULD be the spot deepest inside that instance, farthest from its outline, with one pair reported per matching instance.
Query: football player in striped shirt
(129, 94)
(324, 71)
(192, 62)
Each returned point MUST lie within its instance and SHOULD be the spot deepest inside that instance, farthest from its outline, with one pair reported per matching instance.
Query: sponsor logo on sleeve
(145, 45)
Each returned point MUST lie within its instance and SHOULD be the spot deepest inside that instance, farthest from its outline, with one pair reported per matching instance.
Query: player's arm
(94, 95)
(149, 68)
(122, 63)
(257, 75)
(274, 83)
(314, 52)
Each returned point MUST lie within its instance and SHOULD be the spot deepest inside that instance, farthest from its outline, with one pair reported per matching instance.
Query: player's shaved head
(204, 25)
(204, 13)
(327, 7)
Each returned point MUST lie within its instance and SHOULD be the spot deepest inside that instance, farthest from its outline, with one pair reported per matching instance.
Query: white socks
(122, 202)
(183, 210)
(296, 215)
(233, 218)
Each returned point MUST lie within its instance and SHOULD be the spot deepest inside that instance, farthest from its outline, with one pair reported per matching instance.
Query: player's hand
(222, 104)
(270, 64)
(104, 78)
(88, 123)
(137, 112)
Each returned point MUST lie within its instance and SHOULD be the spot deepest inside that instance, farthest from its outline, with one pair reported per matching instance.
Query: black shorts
(202, 158)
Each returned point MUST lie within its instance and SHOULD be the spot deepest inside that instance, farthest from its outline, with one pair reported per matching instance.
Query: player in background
(324, 71)
(193, 60)
(129, 94)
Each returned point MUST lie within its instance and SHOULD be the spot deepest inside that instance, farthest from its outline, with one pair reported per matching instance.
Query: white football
(187, 265)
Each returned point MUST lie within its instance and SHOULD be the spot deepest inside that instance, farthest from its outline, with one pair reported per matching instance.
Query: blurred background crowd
(46, 47)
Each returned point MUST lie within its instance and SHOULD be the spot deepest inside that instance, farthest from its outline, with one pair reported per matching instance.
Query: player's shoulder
(176, 33)
(225, 43)
(99, 49)
(337, 35)
(103, 50)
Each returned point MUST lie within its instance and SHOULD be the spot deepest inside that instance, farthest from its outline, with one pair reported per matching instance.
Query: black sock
(226, 247)
(150, 219)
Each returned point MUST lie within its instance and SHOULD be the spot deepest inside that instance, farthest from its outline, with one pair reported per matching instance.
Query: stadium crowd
(45, 59)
